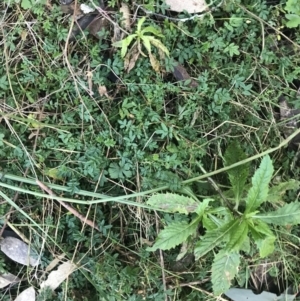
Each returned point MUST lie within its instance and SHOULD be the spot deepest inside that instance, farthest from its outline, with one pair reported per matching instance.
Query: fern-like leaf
(260, 185)
(238, 175)
(213, 238)
(173, 202)
(174, 234)
(224, 268)
(286, 215)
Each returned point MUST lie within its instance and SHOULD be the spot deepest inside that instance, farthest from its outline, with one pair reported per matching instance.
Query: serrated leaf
(260, 185)
(263, 237)
(212, 239)
(245, 247)
(293, 20)
(224, 268)
(237, 236)
(173, 202)
(276, 192)
(266, 246)
(262, 228)
(255, 234)
(174, 234)
(158, 44)
(286, 215)
(202, 206)
(238, 175)
(208, 223)
(220, 216)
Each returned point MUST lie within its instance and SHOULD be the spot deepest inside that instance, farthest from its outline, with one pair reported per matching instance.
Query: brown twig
(68, 207)
(218, 190)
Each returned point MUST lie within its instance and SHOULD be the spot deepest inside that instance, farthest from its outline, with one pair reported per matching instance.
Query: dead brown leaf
(124, 9)
(19, 251)
(55, 278)
(27, 295)
(154, 62)
(8, 278)
(180, 74)
(131, 58)
(97, 25)
(103, 92)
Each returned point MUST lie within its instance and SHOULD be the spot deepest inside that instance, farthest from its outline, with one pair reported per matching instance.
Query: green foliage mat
(62, 121)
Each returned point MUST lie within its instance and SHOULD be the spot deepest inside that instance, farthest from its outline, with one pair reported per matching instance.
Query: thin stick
(68, 207)
(162, 264)
(267, 24)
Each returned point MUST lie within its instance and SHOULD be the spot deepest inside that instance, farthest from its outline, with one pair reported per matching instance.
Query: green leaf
(124, 44)
(173, 202)
(174, 234)
(238, 175)
(263, 237)
(147, 44)
(224, 268)
(293, 6)
(293, 20)
(4, 84)
(245, 247)
(213, 238)
(232, 49)
(119, 171)
(200, 210)
(286, 215)
(1, 139)
(256, 235)
(237, 236)
(260, 185)
(26, 4)
(118, 43)
(266, 246)
(153, 30)
(158, 44)
(219, 216)
(276, 192)
(140, 23)
(208, 223)
(262, 228)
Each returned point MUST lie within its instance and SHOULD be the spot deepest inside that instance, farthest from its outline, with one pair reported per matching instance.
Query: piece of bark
(292, 124)
(181, 74)
(97, 25)
(81, 25)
